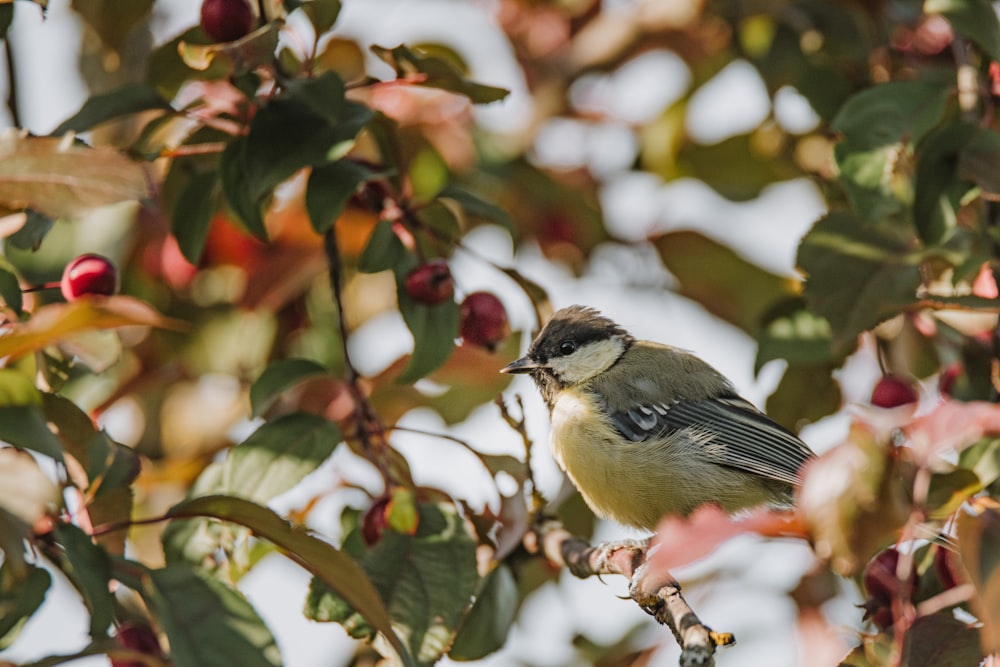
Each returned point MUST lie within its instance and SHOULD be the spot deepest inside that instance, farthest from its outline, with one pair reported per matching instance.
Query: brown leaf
(61, 179)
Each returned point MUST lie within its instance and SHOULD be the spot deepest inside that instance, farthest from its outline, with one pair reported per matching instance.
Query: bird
(645, 430)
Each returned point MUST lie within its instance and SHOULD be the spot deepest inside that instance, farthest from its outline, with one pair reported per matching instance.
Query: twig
(366, 419)
(660, 597)
(518, 424)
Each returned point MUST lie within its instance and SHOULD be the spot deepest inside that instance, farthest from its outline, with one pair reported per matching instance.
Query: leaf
(979, 162)
(278, 455)
(793, 333)
(129, 98)
(938, 191)
(20, 597)
(941, 640)
(329, 189)
(322, 13)
(880, 125)
(112, 22)
(277, 378)
(61, 179)
(237, 58)
(335, 569)
(439, 73)
(53, 322)
(978, 530)
(488, 623)
(856, 276)
(476, 206)
(384, 250)
(975, 19)
(10, 291)
(24, 426)
(192, 215)
(208, 623)
(6, 18)
(806, 393)
(426, 581)
(34, 230)
(434, 330)
(733, 167)
(727, 285)
(236, 188)
(89, 570)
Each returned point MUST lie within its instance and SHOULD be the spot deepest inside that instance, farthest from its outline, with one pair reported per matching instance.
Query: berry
(892, 391)
(89, 275)
(139, 638)
(374, 520)
(430, 283)
(484, 320)
(226, 20)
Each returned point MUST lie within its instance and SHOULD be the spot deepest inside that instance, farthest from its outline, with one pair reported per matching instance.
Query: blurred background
(650, 154)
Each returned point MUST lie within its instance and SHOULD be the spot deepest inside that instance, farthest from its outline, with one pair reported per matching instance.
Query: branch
(660, 597)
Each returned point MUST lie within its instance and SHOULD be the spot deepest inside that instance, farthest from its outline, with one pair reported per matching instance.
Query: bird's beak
(522, 365)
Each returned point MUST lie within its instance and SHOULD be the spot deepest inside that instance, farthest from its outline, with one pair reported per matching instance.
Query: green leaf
(279, 455)
(856, 276)
(490, 619)
(329, 189)
(322, 13)
(192, 215)
(425, 579)
(733, 167)
(236, 188)
(10, 291)
(941, 640)
(975, 19)
(111, 20)
(979, 162)
(793, 333)
(806, 393)
(167, 71)
(34, 230)
(62, 179)
(727, 285)
(384, 250)
(20, 596)
(434, 330)
(25, 426)
(309, 125)
(335, 569)
(129, 98)
(477, 207)
(88, 568)
(978, 529)
(938, 192)
(277, 378)
(439, 73)
(880, 125)
(208, 623)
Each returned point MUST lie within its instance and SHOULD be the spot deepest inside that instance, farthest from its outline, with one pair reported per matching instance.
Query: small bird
(645, 430)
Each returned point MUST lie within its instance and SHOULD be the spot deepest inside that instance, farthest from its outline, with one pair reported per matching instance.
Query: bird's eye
(567, 347)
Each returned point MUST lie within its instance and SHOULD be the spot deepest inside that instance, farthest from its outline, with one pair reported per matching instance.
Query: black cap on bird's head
(575, 342)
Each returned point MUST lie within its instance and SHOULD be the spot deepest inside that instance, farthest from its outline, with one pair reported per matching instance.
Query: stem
(371, 431)
(12, 97)
(993, 222)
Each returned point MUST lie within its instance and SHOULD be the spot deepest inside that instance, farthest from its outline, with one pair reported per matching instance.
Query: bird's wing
(735, 434)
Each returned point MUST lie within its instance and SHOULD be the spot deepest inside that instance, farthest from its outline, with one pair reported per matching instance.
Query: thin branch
(660, 597)
(12, 97)
(518, 424)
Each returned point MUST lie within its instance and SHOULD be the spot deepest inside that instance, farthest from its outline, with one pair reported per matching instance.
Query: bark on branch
(659, 596)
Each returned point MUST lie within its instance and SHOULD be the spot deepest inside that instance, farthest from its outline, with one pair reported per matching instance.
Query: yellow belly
(638, 483)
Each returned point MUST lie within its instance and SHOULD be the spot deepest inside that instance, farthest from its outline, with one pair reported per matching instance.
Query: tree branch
(660, 597)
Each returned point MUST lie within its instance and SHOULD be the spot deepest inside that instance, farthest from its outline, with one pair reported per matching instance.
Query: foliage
(274, 195)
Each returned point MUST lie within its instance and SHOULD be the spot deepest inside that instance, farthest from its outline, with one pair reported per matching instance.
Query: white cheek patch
(590, 360)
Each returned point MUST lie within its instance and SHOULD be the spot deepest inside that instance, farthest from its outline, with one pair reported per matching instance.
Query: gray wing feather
(734, 432)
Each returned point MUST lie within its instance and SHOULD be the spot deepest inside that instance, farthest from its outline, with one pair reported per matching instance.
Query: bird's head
(577, 344)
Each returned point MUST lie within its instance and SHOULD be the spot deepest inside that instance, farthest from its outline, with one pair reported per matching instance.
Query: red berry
(892, 391)
(484, 320)
(89, 275)
(430, 283)
(226, 20)
(374, 520)
(139, 638)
